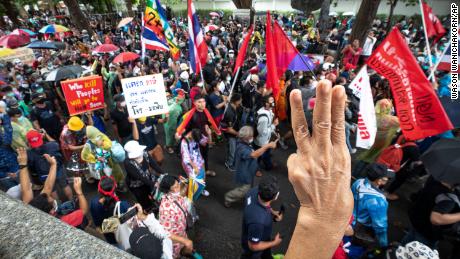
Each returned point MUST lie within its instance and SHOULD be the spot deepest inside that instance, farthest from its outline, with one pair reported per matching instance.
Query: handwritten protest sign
(145, 95)
(83, 94)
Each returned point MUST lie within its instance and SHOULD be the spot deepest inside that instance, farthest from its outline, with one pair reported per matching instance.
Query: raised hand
(320, 174)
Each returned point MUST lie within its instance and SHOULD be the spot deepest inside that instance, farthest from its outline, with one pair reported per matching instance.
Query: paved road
(217, 234)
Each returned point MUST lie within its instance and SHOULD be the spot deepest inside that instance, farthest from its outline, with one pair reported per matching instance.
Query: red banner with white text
(83, 94)
(418, 108)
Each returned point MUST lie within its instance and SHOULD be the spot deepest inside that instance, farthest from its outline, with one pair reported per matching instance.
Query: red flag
(242, 52)
(432, 23)
(272, 74)
(418, 108)
(285, 50)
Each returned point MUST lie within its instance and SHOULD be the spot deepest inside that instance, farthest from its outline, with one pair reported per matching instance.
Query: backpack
(256, 122)
(393, 155)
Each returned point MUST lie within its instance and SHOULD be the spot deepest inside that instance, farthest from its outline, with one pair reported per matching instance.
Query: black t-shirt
(120, 118)
(47, 119)
(257, 225)
(199, 121)
(147, 133)
(411, 154)
(232, 119)
(333, 46)
(426, 202)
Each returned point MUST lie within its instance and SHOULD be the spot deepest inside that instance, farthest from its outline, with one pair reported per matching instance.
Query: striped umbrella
(53, 28)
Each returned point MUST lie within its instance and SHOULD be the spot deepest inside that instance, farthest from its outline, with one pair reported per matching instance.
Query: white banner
(367, 122)
(145, 95)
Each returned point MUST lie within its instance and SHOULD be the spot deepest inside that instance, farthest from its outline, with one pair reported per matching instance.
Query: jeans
(237, 194)
(265, 158)
(231, 145)
(247, 118)
(347, 136)
(204, 153)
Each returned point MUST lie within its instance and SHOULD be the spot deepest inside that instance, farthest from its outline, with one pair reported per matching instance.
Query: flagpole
(427, 42)
(306, 63)
(231, 90)
(439, 61)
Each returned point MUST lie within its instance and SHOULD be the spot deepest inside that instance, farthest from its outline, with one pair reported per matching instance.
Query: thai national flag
(198, 50)
(444, 64)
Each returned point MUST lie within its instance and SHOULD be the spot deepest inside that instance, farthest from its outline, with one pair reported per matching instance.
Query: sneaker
(205, 193)
(283, 144)
(353, 150)
(229, 168)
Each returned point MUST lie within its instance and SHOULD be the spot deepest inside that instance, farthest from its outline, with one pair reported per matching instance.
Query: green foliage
(171, 2)
(407, 2)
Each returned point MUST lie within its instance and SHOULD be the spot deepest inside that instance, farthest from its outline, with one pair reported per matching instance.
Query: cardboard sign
(145, 95)
(83, 94)
(24, 54)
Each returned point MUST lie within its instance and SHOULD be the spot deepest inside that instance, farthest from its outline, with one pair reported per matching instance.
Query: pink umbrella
(13, 41)
(104, 48)
(211, 27)
(125, 57)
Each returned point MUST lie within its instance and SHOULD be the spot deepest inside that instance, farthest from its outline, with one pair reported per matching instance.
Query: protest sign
(145, 95)
(83, 94)
(418, 108)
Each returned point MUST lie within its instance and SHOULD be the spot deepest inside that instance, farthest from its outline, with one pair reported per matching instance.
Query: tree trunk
(324, 18)
(364, 18)
(77, 16)
(129, 6)
(2, 23)
(51, 6)
(307, 6)
(11, 11)
(390, 16)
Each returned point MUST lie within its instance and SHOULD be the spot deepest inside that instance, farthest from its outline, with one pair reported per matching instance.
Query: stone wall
(26, 232)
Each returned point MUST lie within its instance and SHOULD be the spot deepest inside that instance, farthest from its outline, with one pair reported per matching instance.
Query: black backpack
(256, 121)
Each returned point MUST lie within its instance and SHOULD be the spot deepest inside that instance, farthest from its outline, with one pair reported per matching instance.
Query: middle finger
(322, 114)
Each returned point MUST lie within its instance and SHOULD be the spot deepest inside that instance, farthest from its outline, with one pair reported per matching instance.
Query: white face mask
(229, 78)
(231, 55)
(139, 159)
(251, 140)
(123, 104)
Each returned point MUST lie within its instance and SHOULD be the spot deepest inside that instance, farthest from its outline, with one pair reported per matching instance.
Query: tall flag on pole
(367, 122)
(272, 74)
(242, 52)
(198, 50)
(418, 108)
(142, 40)
(433, 25)
(157, 33)
(445, 61)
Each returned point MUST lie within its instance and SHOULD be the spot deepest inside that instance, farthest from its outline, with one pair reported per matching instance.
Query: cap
(37, 96)
(376, 171)
(183, 66)
(255, 78)
(134, 149)
(416, 249)
(144, 244)
(184, 75)
(75, 123)
(34, 138)
(142, 119)
(11, 102)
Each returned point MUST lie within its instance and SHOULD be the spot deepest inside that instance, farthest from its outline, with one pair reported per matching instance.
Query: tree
(306, 6)
(77, 16)
(129, 6)
(246, 4)
(11, 11)
(393, 4)
(324, 18)
(364, 19)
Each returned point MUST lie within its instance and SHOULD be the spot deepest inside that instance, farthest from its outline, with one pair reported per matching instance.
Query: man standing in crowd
(265, 126)
(121, 126)
(258, 220)
(371, 206)
(245, 164)
(230, 124)
(368, 47)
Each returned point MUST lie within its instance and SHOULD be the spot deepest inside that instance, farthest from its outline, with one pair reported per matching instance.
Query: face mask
(25, 85)
(10, 94)
(231, 55)
(229, 78)
(139, 159)
(176, 193)
(251, 140)
(272, 104)
(123, 104)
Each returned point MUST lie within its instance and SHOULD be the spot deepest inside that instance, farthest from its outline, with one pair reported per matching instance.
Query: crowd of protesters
(45, 153)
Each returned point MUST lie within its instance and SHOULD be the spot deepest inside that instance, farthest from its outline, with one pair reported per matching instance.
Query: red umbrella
(125, 57)
(2, 83)
(104, 48)
(13, 41)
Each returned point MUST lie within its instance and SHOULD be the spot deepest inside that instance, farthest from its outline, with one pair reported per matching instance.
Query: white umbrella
(348, 14)
(333, 14)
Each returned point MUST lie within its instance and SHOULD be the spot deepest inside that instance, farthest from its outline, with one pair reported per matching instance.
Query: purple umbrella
(301, 64)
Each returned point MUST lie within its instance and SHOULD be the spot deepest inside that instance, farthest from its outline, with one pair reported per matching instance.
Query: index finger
(299, 123)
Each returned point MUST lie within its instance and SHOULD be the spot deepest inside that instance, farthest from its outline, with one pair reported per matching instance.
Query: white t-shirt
(368, 46)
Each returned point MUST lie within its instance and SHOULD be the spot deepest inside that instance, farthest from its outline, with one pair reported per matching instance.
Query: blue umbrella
(53, 28)
(46, 45)
(31, 33)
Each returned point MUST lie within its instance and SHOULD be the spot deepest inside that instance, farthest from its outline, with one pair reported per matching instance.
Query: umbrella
(125, 57)
(6, 52)
(24, 32)
(14, 41)
(214, 14)
(333, 14)
(301, 64)
(452, 107)
(46, 45)
(348, 14)
(104, 48)
(442, 160)
(53, 28)
(124, 21)
(211, 27)
(64, 72)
